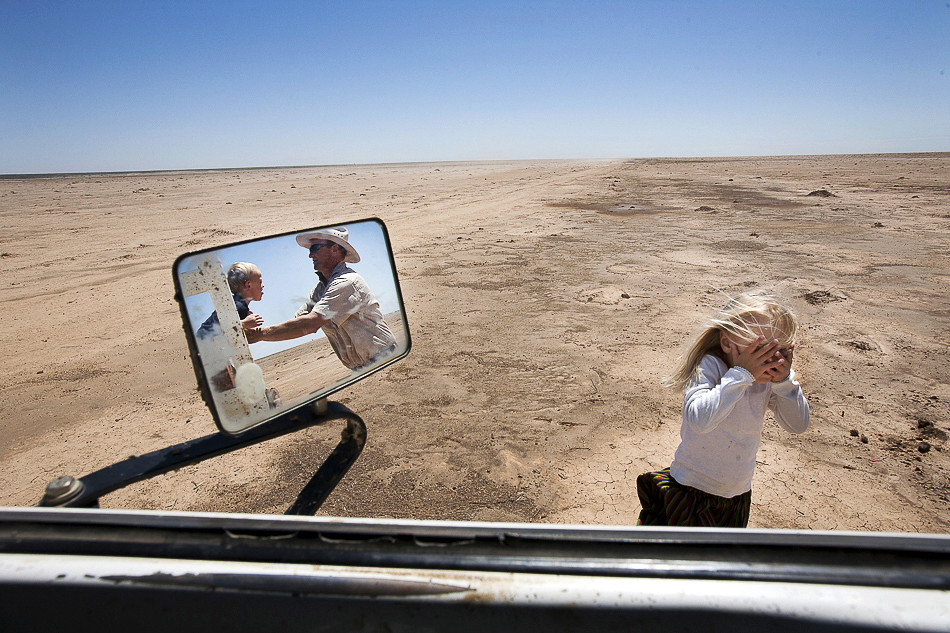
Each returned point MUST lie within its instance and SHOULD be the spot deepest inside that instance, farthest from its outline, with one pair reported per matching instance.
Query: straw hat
(338, 235)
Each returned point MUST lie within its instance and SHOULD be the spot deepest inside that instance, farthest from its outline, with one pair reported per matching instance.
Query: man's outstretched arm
(292, 328)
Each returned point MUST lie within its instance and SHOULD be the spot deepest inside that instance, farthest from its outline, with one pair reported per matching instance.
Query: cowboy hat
(337, 235)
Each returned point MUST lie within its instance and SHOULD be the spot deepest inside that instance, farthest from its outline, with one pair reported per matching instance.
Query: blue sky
(116, 86)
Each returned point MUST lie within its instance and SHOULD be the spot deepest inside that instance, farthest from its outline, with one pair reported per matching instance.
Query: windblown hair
(238, 274)
(737, 319)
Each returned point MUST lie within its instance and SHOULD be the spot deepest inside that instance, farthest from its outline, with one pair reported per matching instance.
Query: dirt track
(545, 301)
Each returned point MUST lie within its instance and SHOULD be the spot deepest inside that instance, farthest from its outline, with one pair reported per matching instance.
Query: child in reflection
(246, 284)
(737, 367)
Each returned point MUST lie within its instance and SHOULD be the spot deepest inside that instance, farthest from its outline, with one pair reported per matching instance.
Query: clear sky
(126, 85)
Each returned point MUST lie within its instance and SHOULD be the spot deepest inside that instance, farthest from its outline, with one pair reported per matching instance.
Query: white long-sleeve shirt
(723, 413)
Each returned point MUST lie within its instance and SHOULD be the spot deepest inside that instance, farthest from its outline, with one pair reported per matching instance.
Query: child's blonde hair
(737, 318)
(238, 273)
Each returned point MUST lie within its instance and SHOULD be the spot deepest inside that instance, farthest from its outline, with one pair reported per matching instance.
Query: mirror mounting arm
(86, 491)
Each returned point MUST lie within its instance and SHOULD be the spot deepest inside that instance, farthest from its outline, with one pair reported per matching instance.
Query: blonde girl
(739, 365)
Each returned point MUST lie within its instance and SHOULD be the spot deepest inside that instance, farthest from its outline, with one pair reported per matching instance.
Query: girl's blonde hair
(737, 319)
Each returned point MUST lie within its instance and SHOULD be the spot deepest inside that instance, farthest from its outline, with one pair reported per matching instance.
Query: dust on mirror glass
(278, 322)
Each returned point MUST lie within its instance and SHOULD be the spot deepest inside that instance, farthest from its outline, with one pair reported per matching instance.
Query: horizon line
(132, 172)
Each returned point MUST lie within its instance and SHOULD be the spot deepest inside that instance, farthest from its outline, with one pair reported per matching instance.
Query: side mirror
(276, 323)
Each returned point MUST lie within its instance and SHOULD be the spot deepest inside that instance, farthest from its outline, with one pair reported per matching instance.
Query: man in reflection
(246, 285)
(341, 304)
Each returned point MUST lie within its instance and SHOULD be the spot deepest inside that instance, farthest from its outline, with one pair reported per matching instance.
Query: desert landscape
(545, 301)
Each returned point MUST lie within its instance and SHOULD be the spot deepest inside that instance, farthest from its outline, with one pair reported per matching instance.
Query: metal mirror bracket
(85, 492)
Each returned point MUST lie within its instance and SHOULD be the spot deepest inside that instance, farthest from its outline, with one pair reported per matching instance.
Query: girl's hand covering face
(782, 372)
(763, 360)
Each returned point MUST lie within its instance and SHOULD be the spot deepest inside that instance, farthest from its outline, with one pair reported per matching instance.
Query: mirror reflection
(279, 322)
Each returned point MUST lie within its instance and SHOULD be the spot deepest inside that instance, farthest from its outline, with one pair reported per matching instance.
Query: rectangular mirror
(275, 323)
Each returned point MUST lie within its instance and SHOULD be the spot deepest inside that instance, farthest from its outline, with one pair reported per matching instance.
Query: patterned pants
(666, 502)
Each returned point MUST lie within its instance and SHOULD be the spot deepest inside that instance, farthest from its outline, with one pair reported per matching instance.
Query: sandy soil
(545, 301)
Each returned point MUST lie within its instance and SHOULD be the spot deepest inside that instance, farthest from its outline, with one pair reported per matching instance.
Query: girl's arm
(789, 405)
(710, 398)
